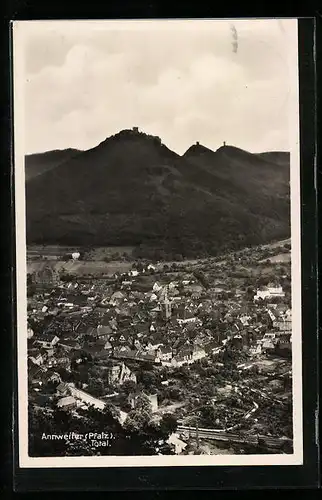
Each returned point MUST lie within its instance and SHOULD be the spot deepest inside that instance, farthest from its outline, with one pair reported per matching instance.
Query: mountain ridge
(132, 189)
(38, 163)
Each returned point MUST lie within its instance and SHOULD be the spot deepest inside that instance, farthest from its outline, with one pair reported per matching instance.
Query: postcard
(157, 199)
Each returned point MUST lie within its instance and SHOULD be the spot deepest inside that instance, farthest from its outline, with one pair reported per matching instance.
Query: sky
(185, 81)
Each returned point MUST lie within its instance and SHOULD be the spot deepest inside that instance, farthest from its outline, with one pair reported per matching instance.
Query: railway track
(218, 435)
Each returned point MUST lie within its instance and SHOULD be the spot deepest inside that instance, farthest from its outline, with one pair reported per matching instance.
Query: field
(55, 252)
(39, 256)
(280, 258)
(277, 243)
(80, 268)
(99, 253)
(49, 250)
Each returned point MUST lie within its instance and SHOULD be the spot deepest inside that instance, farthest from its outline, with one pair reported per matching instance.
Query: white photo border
(20, 31)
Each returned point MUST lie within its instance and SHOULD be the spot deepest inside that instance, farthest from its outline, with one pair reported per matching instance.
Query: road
(169, 408)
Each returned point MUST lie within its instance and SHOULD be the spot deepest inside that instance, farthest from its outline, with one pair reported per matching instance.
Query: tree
(168, 423)
(128, 387)
(145, 439)
(110, 410)
(96, 387)
(140, 415)
(80, 448)
(142, 403)
(44, 424)
(136, 421)
(148, 378)
(262, 281)
(31, 287)
(181, 373)
(207, 415)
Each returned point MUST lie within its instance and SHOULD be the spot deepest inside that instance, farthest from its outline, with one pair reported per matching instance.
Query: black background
(178, 478)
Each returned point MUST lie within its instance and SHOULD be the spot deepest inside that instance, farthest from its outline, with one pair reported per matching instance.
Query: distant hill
(240, 172)
(39, 163)
(280, 157)
(132, 190)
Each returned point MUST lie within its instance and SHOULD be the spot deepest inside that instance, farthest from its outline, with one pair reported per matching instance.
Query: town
(203, 344)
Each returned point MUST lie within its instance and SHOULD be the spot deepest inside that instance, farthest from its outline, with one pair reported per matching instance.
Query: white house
(117, 298)
(153, 399)
(257, 348)
(276, 291)
(198, 353)
(48, 340)
(156, 287)
(30, 333)
(261, 294)
(269, 292)
(67, 402)
(187, 356)
(37, 359)
(268, 344)
(165, 353)
(271, 315)
(187, 320)
(244, 319)
(75, 255)
(178, 443)
(284, 322)
(120, 373)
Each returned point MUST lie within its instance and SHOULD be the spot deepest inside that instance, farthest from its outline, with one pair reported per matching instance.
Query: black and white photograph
(157, 196)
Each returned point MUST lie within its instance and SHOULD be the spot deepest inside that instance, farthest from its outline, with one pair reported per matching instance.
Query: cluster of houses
(278, 339)
(70, 397)
(125, 319)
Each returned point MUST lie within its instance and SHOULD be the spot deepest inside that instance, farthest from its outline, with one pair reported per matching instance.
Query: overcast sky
(184, 81)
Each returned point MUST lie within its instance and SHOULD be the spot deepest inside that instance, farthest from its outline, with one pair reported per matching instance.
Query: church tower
(166, 304)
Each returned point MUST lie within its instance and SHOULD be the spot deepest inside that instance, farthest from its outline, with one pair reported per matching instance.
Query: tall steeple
(166, 303)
